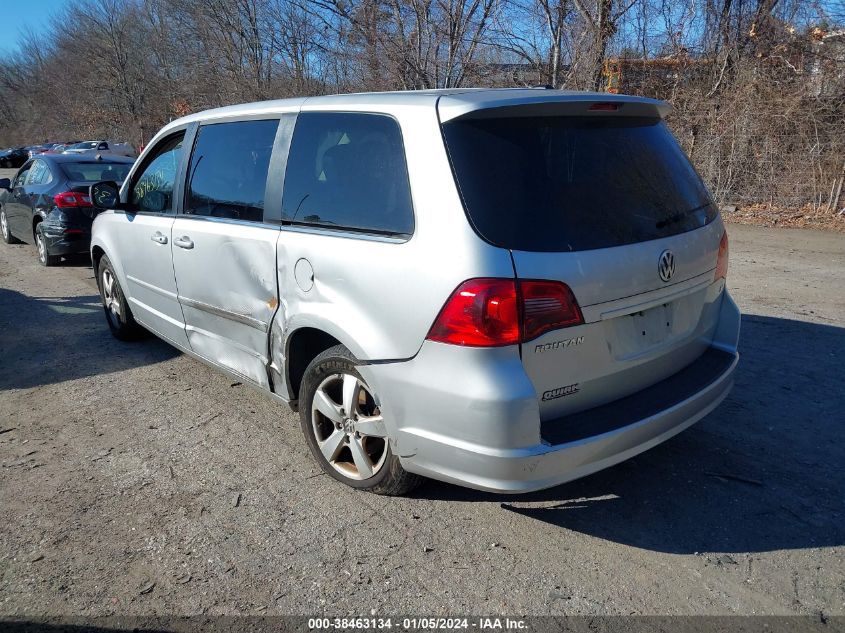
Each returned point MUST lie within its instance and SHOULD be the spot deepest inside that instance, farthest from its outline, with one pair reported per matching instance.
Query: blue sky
(18, 15)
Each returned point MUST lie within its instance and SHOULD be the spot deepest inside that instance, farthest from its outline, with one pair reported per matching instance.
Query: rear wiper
(679, 216)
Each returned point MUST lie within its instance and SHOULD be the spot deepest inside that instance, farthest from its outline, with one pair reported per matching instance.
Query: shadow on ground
(764, 471)
(33, 329)
(114, 625)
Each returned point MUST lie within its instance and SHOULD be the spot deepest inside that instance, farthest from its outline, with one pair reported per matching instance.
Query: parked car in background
(47, 202)
(58, 148)
(101, 147)
(13, 157)
(506, 289)
(35, 150)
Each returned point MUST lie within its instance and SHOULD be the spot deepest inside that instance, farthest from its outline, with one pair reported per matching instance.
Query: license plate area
(654, 325)
(644, 331)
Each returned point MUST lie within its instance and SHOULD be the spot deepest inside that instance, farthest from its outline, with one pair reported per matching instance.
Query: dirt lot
(135, 480)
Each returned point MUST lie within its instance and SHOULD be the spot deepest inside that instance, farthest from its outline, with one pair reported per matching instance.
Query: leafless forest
(757, 86)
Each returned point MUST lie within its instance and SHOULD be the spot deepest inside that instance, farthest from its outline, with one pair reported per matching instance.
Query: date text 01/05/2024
(412, 624)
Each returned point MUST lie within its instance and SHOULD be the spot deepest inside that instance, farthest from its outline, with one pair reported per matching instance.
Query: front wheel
(344, 427)
(43, 253)
(5, 230)
(118, 315)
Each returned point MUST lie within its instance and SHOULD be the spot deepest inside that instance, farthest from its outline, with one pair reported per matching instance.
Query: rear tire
(43, 253)
(5, 231)
(118, 315)
(350, 445)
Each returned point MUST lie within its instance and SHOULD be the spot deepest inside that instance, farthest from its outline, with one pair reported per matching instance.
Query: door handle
(184, 242)
(159, 237)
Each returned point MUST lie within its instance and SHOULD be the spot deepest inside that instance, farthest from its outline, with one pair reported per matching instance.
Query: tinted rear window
(348, 171)
(575, 183)
(96, 171)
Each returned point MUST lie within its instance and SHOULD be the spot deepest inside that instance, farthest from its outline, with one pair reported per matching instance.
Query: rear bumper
(543, 466)
(66, 240)
(474, 420)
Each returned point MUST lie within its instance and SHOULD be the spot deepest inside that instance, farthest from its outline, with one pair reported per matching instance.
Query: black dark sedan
(13, 157)
(47, 202)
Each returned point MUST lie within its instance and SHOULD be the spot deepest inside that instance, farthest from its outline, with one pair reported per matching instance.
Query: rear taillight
(69, 199)
(480, 313)
(547, 305)
(722, 259)
(496, 312)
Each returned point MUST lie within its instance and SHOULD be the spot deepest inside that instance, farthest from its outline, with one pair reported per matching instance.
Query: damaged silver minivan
(504, 289)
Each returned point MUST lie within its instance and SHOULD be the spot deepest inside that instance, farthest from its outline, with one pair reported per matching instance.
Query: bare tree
(757, 86)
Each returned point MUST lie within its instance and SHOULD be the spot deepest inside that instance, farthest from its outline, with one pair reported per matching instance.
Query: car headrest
(339, 163)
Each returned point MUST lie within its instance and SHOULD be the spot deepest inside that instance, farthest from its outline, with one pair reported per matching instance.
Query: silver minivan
(504, 289)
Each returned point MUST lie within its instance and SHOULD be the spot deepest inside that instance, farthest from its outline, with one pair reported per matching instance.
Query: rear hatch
(599, 196)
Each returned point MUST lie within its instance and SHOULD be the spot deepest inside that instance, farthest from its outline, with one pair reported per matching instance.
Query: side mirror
(154, 201)
(105, 194)
(5, 183)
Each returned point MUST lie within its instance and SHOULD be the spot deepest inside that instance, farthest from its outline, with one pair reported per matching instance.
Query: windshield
(96, 171)
(85, 145)
(574, 183)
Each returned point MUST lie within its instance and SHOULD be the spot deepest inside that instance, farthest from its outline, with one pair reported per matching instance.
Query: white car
(102, 147)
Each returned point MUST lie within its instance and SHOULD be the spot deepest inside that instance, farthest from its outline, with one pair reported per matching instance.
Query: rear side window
(228, 171)
(348, 171)
(39, 174)
(575, 183)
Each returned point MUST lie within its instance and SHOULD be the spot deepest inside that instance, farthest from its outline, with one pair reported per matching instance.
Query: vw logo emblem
(666, 265)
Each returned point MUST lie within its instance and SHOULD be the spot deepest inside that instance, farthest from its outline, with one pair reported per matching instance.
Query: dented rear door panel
(228, 291)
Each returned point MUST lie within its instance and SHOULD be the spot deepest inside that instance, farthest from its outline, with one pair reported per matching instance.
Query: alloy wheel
(349, 427)
(110, 297)
(4, 225)
(42, 248)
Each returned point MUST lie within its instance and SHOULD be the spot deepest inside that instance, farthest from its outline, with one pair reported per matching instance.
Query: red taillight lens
(69, 199)
(494, 312)
(480, 313)
(722, 259)
(547, 305)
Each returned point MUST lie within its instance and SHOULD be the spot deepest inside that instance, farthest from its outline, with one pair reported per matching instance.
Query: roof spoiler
(496, 104)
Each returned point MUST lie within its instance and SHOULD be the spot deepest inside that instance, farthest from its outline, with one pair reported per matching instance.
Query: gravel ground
(137, 481)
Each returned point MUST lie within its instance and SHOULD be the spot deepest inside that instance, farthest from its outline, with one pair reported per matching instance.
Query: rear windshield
(96, 171)
(574, 183)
